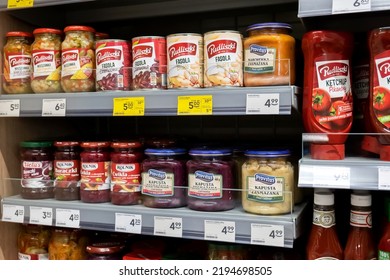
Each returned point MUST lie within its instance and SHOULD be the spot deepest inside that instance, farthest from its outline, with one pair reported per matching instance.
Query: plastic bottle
(384, 243)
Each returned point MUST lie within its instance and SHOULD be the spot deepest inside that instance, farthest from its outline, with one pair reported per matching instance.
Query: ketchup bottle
(327, 94)
(384, 243)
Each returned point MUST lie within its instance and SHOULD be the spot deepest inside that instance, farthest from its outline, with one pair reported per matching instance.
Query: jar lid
(362, 199)
(126, 144)
(18, 34)
(79, 28)
(269, 25)
(102, 144)
(268, 153)
(323, 197)
(165, 152)
(47, 30)
(101, 35)
(205, 152)
(104, 248)
(36, 144)
(66, 143)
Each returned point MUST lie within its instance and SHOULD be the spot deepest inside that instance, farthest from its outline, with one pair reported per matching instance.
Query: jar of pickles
(164, 178)
(78, 59)
(33, 242)
(17, 62)
(68, 244)
(46, 60)
(211, 180)
(268, 182)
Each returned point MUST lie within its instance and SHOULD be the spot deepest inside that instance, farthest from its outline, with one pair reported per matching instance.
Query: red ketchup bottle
(327, 95)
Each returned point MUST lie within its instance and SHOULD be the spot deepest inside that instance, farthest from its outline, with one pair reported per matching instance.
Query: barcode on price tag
(168, 226)
(384, 178)
(10, 108)
(262, 104)
(128, 223)
(41, 215)
(332, 177)
(13, 213)
(68, 218)
(350, 6)
(220, 230)
(268, 235)
(54, 107)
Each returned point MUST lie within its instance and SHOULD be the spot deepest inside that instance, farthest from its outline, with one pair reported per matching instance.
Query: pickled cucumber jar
(33, 242)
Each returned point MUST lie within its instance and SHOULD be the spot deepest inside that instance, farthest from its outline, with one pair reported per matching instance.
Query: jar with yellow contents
(68, 244)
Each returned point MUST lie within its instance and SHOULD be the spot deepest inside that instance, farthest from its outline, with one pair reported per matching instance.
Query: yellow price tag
(195, 105)
(129, 106)
(20, 3)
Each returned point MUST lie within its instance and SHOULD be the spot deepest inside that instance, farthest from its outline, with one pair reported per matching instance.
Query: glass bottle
(384, 243)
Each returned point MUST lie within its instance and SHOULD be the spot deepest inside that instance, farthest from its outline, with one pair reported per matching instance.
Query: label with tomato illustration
(95, 175)
(332, 99)
(125, 177)
(158, 183)
(381, 90)
(66, 172)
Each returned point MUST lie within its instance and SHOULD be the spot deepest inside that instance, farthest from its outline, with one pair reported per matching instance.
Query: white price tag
(384, 178)
(168, 226)
(220, 231)
(13, 213)
(332, 177)
(41, 215)
(68, 218)
(10, 108)
(350, 6)
(268, 235)
(262, 104)
(128, 223)
(54, 107)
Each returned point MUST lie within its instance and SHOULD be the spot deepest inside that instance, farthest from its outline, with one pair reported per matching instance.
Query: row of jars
(80, 63)
(124, 174)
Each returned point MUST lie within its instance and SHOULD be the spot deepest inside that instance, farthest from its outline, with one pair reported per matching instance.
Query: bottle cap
(361, 199)
(324, 197)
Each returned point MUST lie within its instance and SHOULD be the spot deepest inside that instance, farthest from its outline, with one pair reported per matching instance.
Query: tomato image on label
(341, 111)
(321, 100)
(381, 100)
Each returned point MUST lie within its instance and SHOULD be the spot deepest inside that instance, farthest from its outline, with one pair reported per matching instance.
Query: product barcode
(121, 228)
(61, 224)
(160, 232)
(211, 237)
(258, 241)
(253, 111)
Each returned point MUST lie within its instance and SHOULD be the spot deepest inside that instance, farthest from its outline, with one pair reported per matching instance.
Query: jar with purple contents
(211, 180)
(164, 179)
(105, 251)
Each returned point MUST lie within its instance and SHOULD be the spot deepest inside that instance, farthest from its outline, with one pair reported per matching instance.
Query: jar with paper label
(268, 182)
(33, 242)
(68, 244)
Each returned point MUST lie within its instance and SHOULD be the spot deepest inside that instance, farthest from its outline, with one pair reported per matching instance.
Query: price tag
(13, 213)
(384, 178)
(128, 223)
(132, 106)
(262, 104)
(20, 3)
(220, 231)
(195, 105)
(350, 6)
(41, 215)
(334, 177)
(10, 108)
(54, 107)
(168, 226)
(68, 218)
(269, 235)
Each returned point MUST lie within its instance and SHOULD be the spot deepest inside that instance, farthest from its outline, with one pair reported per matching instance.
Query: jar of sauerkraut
(68, 244)
(268, 182)
(46, 60)
(78, 59)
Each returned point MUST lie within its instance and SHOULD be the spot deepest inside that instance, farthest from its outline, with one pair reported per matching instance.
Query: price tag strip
(13, 213)
(129, 106)
(334, 177)
(267, 235)
(220, 231)
(10, 108)
(384, 178)
(54, 107)
(41, 215)
(168, 226)
(350, 6)
(128, 223)
(19, 4)
(68, 218)
(262, 104)
(195, 105)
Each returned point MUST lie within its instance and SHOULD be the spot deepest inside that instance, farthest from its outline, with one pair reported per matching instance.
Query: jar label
(95, 175)
(36, 174)
(325, 219)
(381, 88)
(77, 64)
(66, 170)
(46, 65)
(29, 257)
(265, 188)
(17, 66)
(259, 59)
(158, 183)
(361, 219)
(205, 185)
(125, 177)
(382, 255)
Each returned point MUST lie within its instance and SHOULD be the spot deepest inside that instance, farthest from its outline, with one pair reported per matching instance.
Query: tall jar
(37, 169)
(66, 170)
(17, 62)
(68, 244)
(211, 180)
(78, 59)
(126, 159)
(164, 178)
(33, 242)
(46, 60)
(95, 172)
(268, 182)
(269, 55)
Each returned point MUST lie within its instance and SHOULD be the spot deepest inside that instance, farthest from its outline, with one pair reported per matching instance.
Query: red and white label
(67, 170)
(36, 174)
(182, 49)
(95, 175)
(334, 76)
(44, 63)
(29, 257)
(74, 59)
(19, 66)
(126, 177)
(218, 47)
(361, 219)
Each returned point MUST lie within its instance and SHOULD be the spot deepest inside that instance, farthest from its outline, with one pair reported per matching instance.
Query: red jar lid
(104, 248)
(102, 144)
(18, 34)
(101, 36)
(126, 144)
(79, 28)
(143, 255)
(47, 30)
(66, 143)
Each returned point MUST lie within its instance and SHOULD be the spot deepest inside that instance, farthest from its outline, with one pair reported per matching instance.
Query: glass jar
(78, 59)
(223, 251)
(66, 170)
(164, 178)
(68, 244)
(17, 62)
(269, 54)
(126, 159)
(105, 251)
(268, 182)
(46, 60)
(211, 180)
(33, 242)
(36, 170)
(95, 172)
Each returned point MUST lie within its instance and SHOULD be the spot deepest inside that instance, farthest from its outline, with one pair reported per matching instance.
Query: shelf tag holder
(350, 6)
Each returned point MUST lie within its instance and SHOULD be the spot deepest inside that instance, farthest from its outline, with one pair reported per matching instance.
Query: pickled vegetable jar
(105, 251)
(164, 178)
(46, 60)
(267, 182)
(224, 251)
(17, 62)
(78, 59)
(68, 244)
(269, 54)
(66, 170)
(211, 180)
(126, 159)
(33, 242)
(95, 172)
(37, 170)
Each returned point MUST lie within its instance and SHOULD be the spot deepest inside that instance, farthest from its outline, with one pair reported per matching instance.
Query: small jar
(268, 182)
(95, 172)
(17, 62)
(269, 54)
(223, 251)
(46, 60)
(66, 170)
(126, 159)
(33, 242)
(211, 180)
(164, 178)
(37, 170)
(78, 59)
(105, 251)
(101, 36)
(68, 244)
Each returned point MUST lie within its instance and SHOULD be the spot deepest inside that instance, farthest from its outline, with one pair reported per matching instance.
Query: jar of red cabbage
(105, 251)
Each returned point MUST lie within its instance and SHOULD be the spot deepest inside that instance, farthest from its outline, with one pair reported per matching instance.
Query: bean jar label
(18, 66)
(205, 185)
(265, 188)
(259, 59)
(45, 64)
(158, 183)
(36, 174)
(125, 177)
(95, 175)
(325, 219)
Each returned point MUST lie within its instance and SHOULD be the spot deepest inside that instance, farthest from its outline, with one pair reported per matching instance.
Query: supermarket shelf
(101, 216)
(226, 101)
